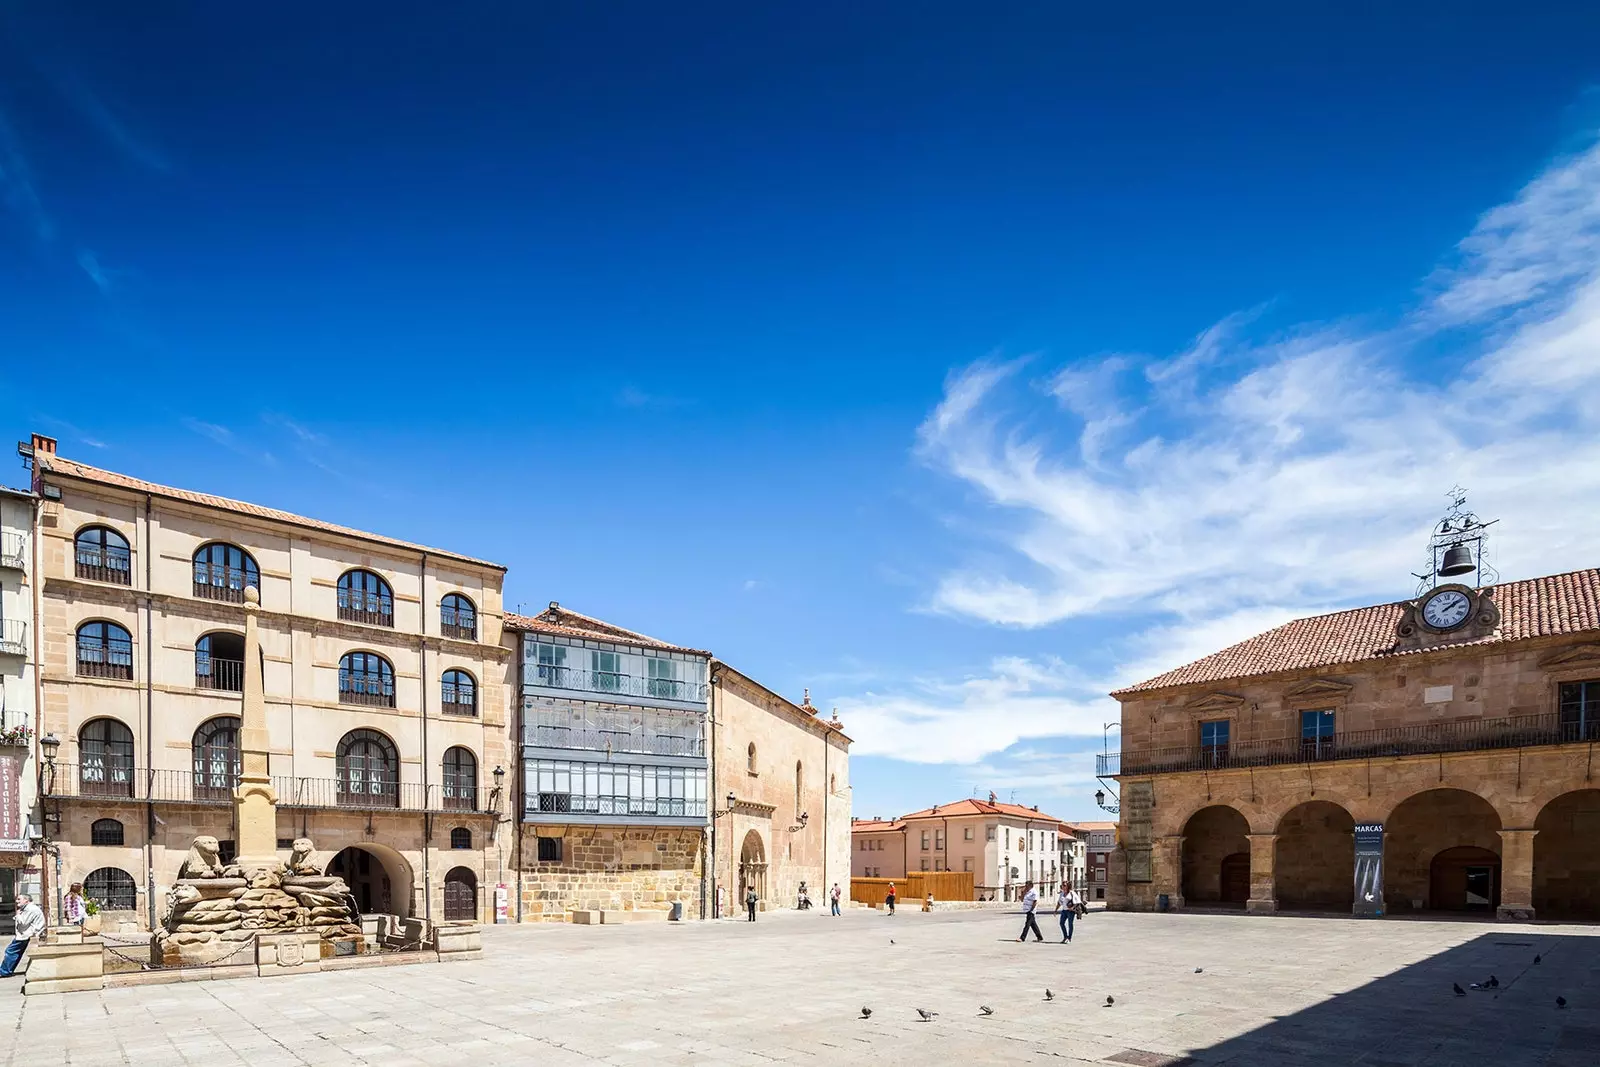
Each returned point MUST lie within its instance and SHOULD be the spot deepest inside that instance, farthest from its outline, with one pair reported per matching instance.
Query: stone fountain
(215, 910)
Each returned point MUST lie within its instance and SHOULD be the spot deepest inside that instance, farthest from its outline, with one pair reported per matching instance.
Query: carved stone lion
(204, 860)
(300, 857)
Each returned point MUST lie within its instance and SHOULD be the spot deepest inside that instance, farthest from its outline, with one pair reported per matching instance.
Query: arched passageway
(1426, 865)
(379, 878)
(1314, 868)
(1216, 857)
(752, 868)
(1566, 857)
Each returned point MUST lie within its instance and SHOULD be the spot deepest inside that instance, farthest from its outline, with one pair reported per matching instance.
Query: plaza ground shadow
(1412, 1018)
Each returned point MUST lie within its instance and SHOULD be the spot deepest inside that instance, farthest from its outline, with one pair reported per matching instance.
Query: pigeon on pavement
(1049, 995)
(984, 1009)
(1492, 983)
(927, 1016)
(866, 1013)
(1110, 1001)
(1199, 970)
(1561, 1002)
(1457, 987)
(1538, 960)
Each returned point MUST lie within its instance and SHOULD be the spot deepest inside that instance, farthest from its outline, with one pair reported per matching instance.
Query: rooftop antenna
(1457, 546)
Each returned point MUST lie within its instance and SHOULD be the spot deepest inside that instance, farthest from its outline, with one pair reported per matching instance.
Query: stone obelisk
(254, 801)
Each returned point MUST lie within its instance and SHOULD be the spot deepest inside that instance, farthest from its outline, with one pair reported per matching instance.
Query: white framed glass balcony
(580, 791)
(612, 730)
(612, 672)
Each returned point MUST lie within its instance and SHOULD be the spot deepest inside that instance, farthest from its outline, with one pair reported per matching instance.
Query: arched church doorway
(379, 878)
(752, 868)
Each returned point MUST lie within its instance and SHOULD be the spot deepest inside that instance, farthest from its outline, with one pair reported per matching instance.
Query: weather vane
(1457, 546)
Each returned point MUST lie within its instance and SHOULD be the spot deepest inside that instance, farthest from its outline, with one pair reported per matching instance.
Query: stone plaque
(291, 952)
(1138, 811)
(1139, 865)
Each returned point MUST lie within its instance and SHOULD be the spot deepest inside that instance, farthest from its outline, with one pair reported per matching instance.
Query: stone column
(1516, 874)
(1168, 872)
(254, 800)
(1263, 895)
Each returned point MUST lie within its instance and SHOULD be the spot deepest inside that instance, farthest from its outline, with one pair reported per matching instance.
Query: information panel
(1369, 869)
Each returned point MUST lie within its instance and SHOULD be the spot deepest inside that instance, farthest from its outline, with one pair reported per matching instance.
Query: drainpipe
(149, 720)
(427, 816)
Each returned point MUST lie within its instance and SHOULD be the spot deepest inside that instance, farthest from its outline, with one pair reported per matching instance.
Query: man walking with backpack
(1030, 901)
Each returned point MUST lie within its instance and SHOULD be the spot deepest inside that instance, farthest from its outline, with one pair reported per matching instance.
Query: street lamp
(732, 800)
(48, 744)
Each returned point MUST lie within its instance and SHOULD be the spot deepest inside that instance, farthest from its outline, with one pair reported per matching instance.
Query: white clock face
(1446, 610)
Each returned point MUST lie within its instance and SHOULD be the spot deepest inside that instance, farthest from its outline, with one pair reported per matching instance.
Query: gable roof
(866, 826)
(1552, 606)
(564, 622)
(979, 807)
(50, 463)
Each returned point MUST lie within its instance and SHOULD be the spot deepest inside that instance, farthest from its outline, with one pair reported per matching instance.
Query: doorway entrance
(379, 878)
(1236, 878)
(1464, 878)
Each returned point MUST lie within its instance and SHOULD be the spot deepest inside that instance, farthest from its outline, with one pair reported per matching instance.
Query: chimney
(935, 810)
(1036, 807)
(43, 444)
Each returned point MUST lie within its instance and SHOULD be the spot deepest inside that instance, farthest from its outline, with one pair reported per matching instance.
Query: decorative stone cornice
(1215, 702)
(1318, 689)
(1572, 656)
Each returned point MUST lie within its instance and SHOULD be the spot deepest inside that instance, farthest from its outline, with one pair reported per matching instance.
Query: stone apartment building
(385, 685)
(20, 869)
(658, 778)
(1437, 749)
(1003, 846)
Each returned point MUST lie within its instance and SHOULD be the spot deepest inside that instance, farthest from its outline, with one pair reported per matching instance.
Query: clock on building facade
(1448, 613)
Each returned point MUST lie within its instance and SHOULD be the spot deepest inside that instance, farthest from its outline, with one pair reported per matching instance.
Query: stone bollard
(63, 968)
(458, 941)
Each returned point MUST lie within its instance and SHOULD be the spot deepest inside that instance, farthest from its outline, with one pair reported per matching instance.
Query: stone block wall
(604, 868)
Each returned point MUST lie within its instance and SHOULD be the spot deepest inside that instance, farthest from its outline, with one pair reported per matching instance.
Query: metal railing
(371, 692)
(100, 663)
(616, 684)
(223, 674)
(581, 804)
(105, 565)
(466, 708)
(646, 733)
(115, 779)
(14, 551)
(355, 606)
(462, 625)
(213, 581)
(14, 637)
(1425, 739)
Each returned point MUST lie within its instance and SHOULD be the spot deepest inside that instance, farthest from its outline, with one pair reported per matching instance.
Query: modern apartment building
(1003, 846)
(385, 686)
(877, 848)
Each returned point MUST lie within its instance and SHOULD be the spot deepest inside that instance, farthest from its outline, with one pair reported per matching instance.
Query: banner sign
(12, 830)
(1369, 869)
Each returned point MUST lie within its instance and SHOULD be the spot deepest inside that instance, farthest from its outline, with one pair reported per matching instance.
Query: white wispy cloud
(1246, 481)
(90, 264)
(226, 438)
(18, 192)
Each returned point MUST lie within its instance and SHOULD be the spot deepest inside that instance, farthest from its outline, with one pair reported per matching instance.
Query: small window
(938, 840)
(221, 572)
(105, 650)
(1580, 710)
(1316, 734)
(458, 618)
(549, 850)
(606, 669)
(227, 850)
(1214, 742)
(285, 844)
(102, 556)
(924, 864)
(750, 758)
(105, 832)
(113, 888)
(989, 836)
(364, 597)
(966, 834)
(966, 864)
(461, 837)
(458, 693)
(924, 840)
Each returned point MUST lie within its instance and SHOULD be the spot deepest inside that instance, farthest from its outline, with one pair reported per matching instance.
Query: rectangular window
(938, 840)
(924, 864)
(606, 669)
(553, 665)
(549, 850)
(1316, 734)
(990, 836)
(966, 834)
(966, 864)
(1214, 742)
(1008, 837)
(1580, 710)
(662, 679)
(924, 840)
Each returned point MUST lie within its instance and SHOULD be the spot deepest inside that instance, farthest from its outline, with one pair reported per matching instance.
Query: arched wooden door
(460, 894)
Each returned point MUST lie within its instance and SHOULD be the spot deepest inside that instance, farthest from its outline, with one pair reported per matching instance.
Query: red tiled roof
(53, 464)
(1552, 606)
(979, 807)
(563, 622)
(867, 826)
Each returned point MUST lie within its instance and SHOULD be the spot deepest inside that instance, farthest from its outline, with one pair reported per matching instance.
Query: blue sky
(958, 364)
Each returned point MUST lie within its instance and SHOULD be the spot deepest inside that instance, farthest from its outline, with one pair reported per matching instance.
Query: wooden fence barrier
(913, 889)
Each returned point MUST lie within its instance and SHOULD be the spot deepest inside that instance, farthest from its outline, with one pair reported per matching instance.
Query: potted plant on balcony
(18, 736)
(91, 916)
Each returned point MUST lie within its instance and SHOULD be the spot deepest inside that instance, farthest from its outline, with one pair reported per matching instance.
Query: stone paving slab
(1296, 992)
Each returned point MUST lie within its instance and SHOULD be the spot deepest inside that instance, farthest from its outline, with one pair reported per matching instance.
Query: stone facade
(637, 871)
(161, 689)
(1497, 813)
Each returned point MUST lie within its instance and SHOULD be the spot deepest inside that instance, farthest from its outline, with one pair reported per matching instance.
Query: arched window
(366, 678)
(105, 759)
(458, 618)
(461, 837)
(750, 758)
(103, 556)
(113, 888)
(458, 693)
(105, 650)
(460, 779)
(460, 895)
(369, 770)
(219, 662)
(364, 597)
(799, 787)
(105, 832)
(221, 571)
(216, 759)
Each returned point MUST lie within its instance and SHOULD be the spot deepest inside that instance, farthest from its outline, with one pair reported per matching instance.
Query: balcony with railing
(547, 804)
(13, 637)
(614, 684)
(104, 564)
(643, 732)
(1523, 731)
(376, 609)
(225, 675)
(214, 581)
(458, 623)
(115, 780)
(14, 551)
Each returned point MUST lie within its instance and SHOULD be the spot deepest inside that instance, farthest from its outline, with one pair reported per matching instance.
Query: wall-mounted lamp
(732, 800)
(48, 745)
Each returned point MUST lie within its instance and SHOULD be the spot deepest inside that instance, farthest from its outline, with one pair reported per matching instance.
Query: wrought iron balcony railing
(117, 662)
(223, 674)
(105, 565)
(14, 551)
(213, 581)
(369, 608)
(462, 625)
(1426, 739)
(14, 637)
(634, 807)
(114, 779)
(611, 683)
(373, 693)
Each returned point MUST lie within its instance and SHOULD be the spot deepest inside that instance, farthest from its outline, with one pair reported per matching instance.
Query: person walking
(834, 896)
(1067, 906)
(74, 909)
(750, 899)
(30, 924)
(1030, 901)
(889, 900)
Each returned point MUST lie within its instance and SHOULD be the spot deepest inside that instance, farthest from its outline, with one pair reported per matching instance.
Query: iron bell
(1457, 560)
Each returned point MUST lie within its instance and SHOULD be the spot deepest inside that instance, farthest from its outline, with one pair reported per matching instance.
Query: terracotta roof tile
(979, 807)
(73, 469)
(1552, 606)
(562, 622)
(867, 826)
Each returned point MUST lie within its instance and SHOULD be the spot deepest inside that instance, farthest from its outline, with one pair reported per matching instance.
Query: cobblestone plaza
(1281, 990)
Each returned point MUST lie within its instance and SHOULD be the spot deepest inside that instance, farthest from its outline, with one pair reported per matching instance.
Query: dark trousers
(14, 953)
(751, 908)
(1030, 923)
(1068, 915)
(890, 900)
